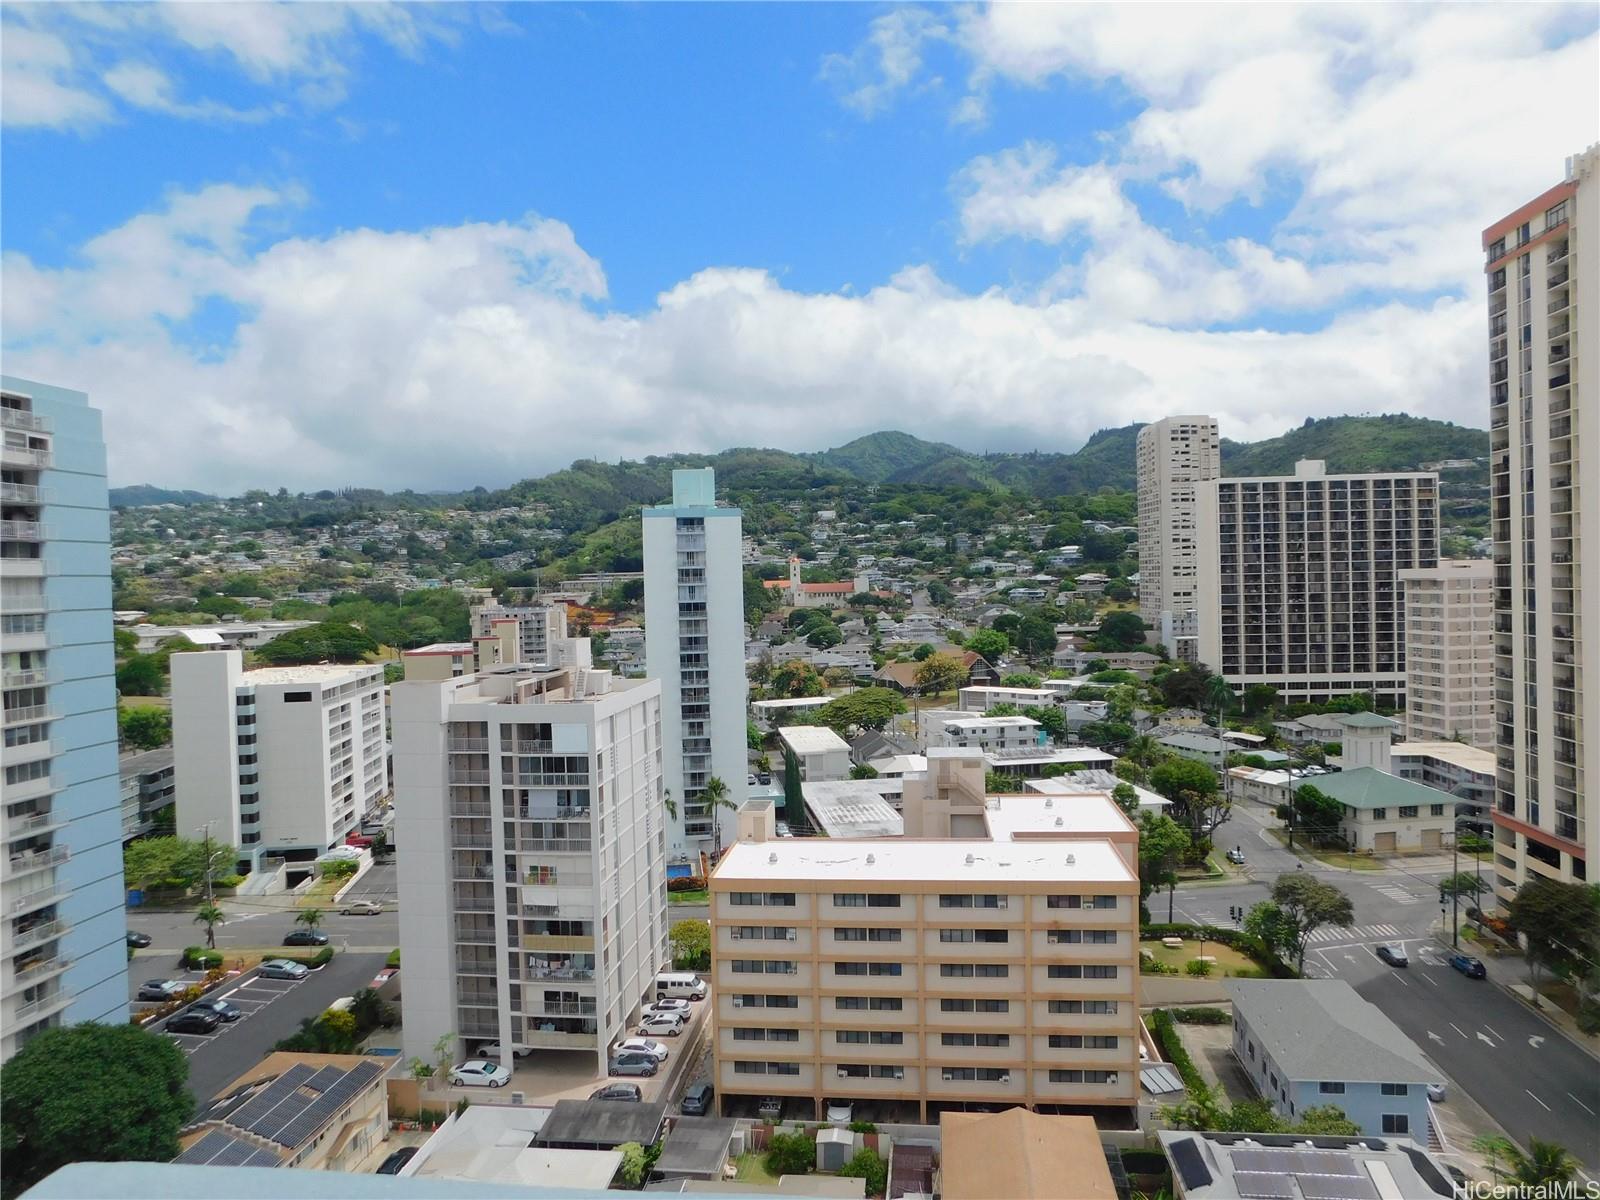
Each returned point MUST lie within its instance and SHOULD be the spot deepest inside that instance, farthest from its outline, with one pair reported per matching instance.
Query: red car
(360, 840)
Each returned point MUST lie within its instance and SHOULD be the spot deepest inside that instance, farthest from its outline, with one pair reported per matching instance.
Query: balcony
(558, 942)
(20, 493)
(549, 1039)
(39, 860)
(16, 418)
(36, 972)
(36, 934)
(26, 457)
(34, 677)
(38, 899)
(39, 1009)
(22, 531)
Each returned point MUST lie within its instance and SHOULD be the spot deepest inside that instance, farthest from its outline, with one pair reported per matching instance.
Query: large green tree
(1307, 904)
(1559, 924)
(327, 641)
(1192, 788)
(1036, 636)
(145, 727)
(795, 679)
(990, 643)
(1162, 842)
(1120, 631)
(90, 1093)
(867, 708)
(940, 673)
(691, 944)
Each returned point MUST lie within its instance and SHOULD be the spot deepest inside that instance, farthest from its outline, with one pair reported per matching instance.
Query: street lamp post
(206, 830)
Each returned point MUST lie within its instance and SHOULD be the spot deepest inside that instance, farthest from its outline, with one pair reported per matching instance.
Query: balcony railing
(37, 972)
(36, 677)
(16, 418)
(20, 493)
(21, 531)
(38, 899)
(26, 456)
(42, 932)
(40, 1008)
(39, 860)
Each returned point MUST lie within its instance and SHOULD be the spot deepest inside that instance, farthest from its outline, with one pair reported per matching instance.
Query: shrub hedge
(687, 883)
(321, 958)
(1202, 1016)
(198, 958)
(1165, 1032)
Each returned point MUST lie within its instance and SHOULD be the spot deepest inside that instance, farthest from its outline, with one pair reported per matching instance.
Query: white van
(685, 984)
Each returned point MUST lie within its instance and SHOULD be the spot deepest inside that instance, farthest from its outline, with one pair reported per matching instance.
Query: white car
(479, 1072)
(664, 1025)
(493, 1050)
(666, 1008)
(361, 908)
(639, 1045)
(839, 1114)
(1436, 1092)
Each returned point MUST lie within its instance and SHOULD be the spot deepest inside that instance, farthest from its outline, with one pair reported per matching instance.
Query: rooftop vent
(773, 857)
(970, 860)
(1072, 860)
(871, 858)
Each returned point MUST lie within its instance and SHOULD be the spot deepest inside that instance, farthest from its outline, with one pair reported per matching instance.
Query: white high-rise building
(1450, 652)
(539, 628)
(1299, 583)
(63, 957)
(531, 840)
(281, 761)
(1174, 454)
(694, 644)
(1543, 263)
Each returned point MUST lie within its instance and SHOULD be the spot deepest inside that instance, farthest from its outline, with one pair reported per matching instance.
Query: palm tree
(1139, 748)
(715, 795)
(310, 918)
(1543, 1162)
(1495, 1149)
(210, 916)
(1218, 697)
(671, 804)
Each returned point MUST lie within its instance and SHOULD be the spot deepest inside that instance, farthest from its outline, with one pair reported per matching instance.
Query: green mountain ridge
(589, 493)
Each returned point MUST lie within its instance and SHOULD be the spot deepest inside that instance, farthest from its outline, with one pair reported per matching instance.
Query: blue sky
(291, 231)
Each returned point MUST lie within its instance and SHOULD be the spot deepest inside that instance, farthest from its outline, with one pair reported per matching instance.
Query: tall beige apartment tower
(1173, 455)
(1298, 580)
(1450, 652)
(1543, 264)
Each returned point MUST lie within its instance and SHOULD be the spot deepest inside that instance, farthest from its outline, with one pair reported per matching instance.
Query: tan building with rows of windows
(1449, 636)
(908, 976)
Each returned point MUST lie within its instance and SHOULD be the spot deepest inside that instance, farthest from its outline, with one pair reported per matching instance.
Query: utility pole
(207, 831)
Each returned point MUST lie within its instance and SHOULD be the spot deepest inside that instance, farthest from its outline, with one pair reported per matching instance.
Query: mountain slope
(1354, 444)
(888, 456)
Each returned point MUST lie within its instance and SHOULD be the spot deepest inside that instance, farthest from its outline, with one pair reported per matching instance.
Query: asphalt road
(1523, 1071)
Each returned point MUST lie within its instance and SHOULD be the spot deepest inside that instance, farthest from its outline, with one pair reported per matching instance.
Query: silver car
(283, 968)
(634, 1064)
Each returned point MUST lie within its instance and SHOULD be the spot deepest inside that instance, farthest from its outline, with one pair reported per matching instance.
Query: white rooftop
(313, 673)
(1032, 755)
(1102, 782)
(443, 648)
(793, 702)
(1468, 758)
(993, 723)
(957, 862)
(1035, 814)
(854, 808)
(812, 739)
(492, 1144)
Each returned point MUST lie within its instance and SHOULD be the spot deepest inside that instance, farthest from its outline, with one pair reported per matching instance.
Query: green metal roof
(1367, 720)
(1368, 787)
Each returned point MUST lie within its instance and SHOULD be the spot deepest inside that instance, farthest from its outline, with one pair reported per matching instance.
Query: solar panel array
(300, 1101)
(220, 1149)
(1262, 1185)
(1337, 1187)
(1295, 1162)
(1269, 1174)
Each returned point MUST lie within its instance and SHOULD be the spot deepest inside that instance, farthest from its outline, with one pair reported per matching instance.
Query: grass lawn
(701, 897)
(1230, 963)
(125, 703)
(751, 1169)
(321, 892)
(1332, 858)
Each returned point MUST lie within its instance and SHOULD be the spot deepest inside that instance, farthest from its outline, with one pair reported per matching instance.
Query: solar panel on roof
(1337, 1187)
(1270, 1161)
(203, 1150)
(1159, 1078)
(1262, 1185)
(1190, 1164)
(234, 1154)
(325, 1078)
(262, 1158)
(1324, 1162)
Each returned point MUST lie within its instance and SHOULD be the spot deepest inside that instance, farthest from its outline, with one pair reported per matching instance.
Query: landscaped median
(1232, 953)
(197, 958)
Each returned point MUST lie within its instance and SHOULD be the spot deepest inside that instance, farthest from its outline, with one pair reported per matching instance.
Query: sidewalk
(1508, 970)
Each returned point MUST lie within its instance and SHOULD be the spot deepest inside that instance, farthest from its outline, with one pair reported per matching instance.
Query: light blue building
(1309, 1043)
(62, 927)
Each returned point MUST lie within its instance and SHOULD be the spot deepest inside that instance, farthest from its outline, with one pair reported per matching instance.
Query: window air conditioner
(738, 1001)
(735, 935)
(1005, 1079)
(840, 1071)
(946, 1076)
(792, 935)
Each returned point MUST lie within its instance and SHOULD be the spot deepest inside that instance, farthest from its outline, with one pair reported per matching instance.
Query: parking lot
(272, 1010)
(250, 994)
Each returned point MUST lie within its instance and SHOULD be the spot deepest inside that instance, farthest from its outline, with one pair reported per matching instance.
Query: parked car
(781, 828)
(361, 908)
(479, 1072)
(618, 1091)
(1236, 856)
(765, 777)
(282, 968)
(193, 1020)
(665, 1025)
(138, 940)
(223, 1010)
(1469, 966)
(305, 937)
(839, 1114)
(161, 989)
(751, 782)
(697, 1100)
(494, 1050)
(392, 1164)
(1436, 1092)
(634, 1064)
(359, 840)
(666, 1007)
(1394, 955)
(641, 1045)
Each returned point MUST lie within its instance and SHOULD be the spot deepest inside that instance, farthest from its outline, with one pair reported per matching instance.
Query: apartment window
(1330, 1089)
(1394, 1089)
(866, 968)
(975, 1039)
(952, 1004)
(974, 970)
(1396, 1123)
(865, 900)
(766, 1035)
(766, 1068)
(1083, 1076)
(1408, 810)
(858, 934)
(1089, 937)
(762, 899)
(1075, 1041)
(297, 697)
(1380, 814)
(777, 933)
(756, 1000)
(975, 1074)
(870, 1037)
(1097, 1007)
(1081, 902)
(1436, 810)
(1076, 971)
(981, 900)
(863, 1003)
(760, 966)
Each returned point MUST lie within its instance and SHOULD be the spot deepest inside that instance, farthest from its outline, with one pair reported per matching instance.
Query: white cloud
(299, 49)
(886, 62)
(481, 353)
(1020, 193)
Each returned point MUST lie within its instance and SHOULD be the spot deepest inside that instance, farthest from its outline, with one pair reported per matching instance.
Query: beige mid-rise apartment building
(990, 960)
(1174, 454)
(1299, 584)
(1543, 267)
(1449, 622)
